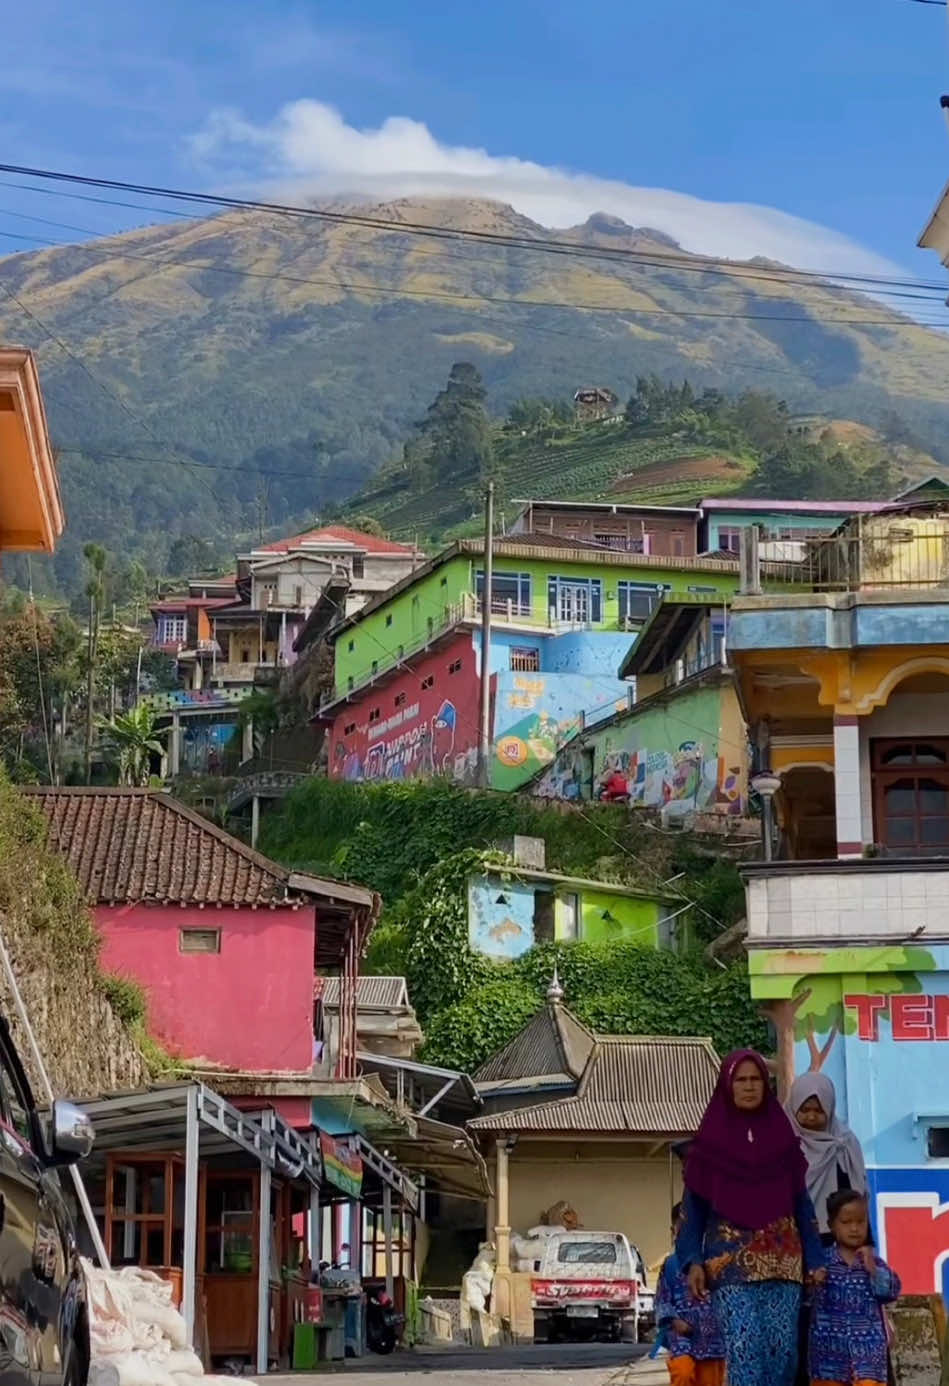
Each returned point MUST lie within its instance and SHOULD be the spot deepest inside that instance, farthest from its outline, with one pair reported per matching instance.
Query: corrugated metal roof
(642, 1085)
(553, 1043)
(372, 993)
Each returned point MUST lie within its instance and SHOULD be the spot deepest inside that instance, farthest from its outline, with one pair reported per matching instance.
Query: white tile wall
(810, 906)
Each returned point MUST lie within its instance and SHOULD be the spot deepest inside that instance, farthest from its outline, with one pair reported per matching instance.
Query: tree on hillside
(457, 430)
(132, 740)
(190, 556)
(96, 561)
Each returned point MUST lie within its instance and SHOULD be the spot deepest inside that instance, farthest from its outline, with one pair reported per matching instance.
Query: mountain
(223, 376)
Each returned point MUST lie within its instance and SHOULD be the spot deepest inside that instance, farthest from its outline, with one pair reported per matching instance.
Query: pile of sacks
(136, 1335)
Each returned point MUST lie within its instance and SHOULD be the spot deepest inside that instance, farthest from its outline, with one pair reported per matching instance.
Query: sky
(808, 131)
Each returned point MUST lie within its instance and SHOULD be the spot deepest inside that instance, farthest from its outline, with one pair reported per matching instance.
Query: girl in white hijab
(833, 1154)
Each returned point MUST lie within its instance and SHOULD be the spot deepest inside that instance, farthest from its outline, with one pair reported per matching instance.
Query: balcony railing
(876, 554)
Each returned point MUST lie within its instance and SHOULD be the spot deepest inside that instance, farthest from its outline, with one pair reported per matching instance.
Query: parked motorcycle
(383, 1324)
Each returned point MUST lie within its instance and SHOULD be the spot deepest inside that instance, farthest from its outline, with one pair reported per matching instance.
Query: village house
(593, 402)
(407, 667)
(515, 905)
(843, 677)
(680, 746)
(667, 530)
(588, 1121)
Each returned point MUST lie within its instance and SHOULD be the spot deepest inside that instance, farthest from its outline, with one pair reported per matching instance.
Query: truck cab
(588, 1285)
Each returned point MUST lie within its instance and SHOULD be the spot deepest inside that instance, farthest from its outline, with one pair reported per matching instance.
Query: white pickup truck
(590, 1284)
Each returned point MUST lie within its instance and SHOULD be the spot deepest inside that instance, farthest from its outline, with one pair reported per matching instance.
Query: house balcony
(813, 904)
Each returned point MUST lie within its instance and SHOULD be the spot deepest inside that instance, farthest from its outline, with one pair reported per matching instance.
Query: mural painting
(412, 730)
(535, 713)
(876, 1021)
(210, 748)
(500, 916)
(644, 759)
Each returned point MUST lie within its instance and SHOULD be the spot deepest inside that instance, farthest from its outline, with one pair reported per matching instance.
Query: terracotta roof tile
(341, 534)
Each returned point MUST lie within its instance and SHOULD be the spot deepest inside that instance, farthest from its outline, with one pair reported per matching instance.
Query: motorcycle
(383, 1324)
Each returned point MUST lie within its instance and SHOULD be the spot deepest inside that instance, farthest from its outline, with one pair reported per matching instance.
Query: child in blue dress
(688, 1328)
(848, 1340)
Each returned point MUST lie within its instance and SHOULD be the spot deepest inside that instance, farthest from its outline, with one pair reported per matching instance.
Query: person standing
(848, 1339)
(688, 1328)
(750, 1233)
(832, 1151)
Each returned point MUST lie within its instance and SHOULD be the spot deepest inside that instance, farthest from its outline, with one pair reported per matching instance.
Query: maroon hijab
(747, 1165)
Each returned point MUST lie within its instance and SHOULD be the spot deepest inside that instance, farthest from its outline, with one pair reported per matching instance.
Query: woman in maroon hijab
(750, 1234)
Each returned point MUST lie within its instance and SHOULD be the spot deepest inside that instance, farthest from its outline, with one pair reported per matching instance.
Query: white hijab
(825, 1151)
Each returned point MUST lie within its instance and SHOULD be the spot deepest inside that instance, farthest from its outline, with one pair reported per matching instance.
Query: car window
(13, 1103)
(587, 1253)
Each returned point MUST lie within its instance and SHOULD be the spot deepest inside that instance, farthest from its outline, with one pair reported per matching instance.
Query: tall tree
(457, 428)
(96, 559)
(133, 740)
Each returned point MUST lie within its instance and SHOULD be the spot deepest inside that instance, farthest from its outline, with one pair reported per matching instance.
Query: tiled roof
(339, 534)
(132, 845)
(551, 1045)
(372, 993)
(640, 1085)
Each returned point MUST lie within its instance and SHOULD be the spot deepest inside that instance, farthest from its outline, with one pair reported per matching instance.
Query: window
(348, 730)
(375, 714)
(15, 1106)
(525, 659)
(399, 699)
(575, 601)
(587, 1253)
(678, 544)
(174, 630)
(298, 596)
(352, 646)
(570, 916)
(911, 796)
(389, 619)
(937, 1142)
(729, 539)
(637, 601)
(199, 940)
(245, 654)
(544, 914)
(455, 666)
(428, 682)
(510, 592)
(359, 565)
(375, 666)
(444, 582)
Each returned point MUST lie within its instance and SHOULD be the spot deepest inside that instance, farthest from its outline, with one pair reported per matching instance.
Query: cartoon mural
(535, 713)
(876, 1021)
(643, 759)
(424, 732)
(209, 747)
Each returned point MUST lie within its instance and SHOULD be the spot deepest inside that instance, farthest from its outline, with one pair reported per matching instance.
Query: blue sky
(826, 110)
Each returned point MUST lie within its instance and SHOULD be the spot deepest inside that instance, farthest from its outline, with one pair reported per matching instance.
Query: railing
(268, 784)
(181, 699)
(874, 554)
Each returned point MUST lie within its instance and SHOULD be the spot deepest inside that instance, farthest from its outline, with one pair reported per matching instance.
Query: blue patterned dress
(848, 1335)
(674, 1300)
(755, 1276)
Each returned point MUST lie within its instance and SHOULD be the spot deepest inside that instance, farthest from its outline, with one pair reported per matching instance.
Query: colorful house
(845, 690)
(782, 525)
(407, 667)
(513, 907)
(31, 512)
(681, 746)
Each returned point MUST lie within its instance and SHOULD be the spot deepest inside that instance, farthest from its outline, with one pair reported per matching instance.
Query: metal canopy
(157, 1118)
(438, 1085)
(389, 1173)
(446, 1154)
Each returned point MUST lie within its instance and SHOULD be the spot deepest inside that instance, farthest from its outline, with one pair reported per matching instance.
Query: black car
(44, 1338)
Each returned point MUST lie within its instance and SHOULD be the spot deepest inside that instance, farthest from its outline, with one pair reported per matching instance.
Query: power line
(677, 259)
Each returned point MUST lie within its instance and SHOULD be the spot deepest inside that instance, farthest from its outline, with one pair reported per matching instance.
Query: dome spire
(555, 990)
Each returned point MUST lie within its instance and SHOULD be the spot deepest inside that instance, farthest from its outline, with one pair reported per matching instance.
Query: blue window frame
(638, 600)
(575, 601)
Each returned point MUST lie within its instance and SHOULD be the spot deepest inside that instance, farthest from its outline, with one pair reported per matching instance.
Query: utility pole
(90, 683)
(484, 750)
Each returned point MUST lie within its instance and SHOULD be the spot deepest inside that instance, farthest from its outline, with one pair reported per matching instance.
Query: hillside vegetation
(240, 374)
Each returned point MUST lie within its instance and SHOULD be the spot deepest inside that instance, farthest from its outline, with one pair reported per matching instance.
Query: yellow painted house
(31, 512)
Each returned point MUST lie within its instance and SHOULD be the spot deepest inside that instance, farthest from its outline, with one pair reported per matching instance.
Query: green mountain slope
(215, 376)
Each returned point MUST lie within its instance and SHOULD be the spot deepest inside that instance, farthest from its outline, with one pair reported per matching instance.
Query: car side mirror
(72, 1134)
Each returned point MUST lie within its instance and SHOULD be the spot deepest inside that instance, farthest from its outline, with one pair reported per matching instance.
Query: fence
(873, 555)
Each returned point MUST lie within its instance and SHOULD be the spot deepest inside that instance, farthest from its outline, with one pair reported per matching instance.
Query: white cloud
(309, 150)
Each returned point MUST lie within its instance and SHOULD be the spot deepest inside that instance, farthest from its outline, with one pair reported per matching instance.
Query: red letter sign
(912, 1017)
(868, 1010)
(917, 1240)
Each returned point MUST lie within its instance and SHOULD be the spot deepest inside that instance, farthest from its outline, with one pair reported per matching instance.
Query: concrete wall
(613, 1186)
(501, 914)
(248, 1006)
(535, 713)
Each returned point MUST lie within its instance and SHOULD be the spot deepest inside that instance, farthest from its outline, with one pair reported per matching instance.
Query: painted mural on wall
(535, 713)
(500, 917)
(210, 748)
(876, 1021)
(646, 759)
(419, 731)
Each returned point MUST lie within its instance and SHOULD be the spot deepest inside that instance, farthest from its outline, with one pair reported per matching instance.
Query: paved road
(576, 1364)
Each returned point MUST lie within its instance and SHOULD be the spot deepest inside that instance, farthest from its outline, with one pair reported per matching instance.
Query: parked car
(44, 1339)
(590, 1284)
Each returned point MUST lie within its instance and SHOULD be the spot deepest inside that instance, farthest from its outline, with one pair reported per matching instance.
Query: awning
(448, 1155)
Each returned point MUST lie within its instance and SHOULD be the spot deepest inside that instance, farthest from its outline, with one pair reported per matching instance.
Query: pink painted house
(225, 943)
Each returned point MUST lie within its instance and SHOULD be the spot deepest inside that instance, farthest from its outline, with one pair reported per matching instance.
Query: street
(570, 1364)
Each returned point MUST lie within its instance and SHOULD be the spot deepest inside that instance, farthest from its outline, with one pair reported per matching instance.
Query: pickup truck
(588, 1285)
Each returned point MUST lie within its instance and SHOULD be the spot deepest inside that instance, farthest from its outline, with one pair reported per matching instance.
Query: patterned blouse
(848, 1333)
(675, 1301)
(741, 1255)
